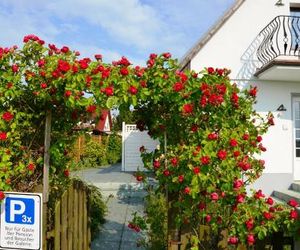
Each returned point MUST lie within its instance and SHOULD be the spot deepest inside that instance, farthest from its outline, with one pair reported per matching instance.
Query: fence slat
(70, 217)
(75, 218)
(57, 227)
(80, 218)
(64, 218)
(84, 224)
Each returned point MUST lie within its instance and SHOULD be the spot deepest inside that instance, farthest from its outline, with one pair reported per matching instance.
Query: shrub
(94, 155)
(97, 209)
(114, 149)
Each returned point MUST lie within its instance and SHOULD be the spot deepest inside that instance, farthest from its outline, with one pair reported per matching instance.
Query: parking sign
(21, 221)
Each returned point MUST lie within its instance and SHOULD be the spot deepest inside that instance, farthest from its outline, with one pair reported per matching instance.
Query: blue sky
(113, 28)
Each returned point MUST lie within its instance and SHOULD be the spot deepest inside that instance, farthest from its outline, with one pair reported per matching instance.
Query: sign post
(21, 221)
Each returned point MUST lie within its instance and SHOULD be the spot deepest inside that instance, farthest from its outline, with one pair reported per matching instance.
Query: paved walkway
(124, 196)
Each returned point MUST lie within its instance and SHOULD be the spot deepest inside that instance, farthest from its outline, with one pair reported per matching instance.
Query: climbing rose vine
(213, 136)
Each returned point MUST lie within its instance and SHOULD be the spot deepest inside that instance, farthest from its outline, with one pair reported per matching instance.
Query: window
(295, 27)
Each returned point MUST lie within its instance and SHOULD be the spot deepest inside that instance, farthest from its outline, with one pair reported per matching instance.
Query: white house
(260, 42)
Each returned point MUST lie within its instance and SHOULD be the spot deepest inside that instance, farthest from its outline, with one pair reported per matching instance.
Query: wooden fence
(71, 221)
(79, 145)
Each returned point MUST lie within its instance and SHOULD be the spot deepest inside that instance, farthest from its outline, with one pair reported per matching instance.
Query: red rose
(210, 70)
(250, 239)
(222, 154)
(2, 195)
(259, 138)
(236, 153)
(44, 85)
(65, 49)
(262, 148)
(235, 98)
(249, 224)
(3, 136)
(139, 178)
(271, 121)
(214, 196)
(15, 68)
(293, 214)
(213, 136)
(180, 178)
(9, 85)
(166, 172)
(66, 172)
(270, 201)
(220, 71)
(156, 164)
(188, 108)
(205, 160)
(178, 86)
(63, 66)
(132, 90)
(143, 84)
(259, 194)
(167, 55)
(207, 218)
(109, 91)
(124, 71)
(196, 170)
(142, 149)
(68, 93)
(240, 198)
(187, 190)
(293, 203)
(91, 108)
(194, 128)
(238, 183)
(253, 92)
(267, 215)
(246, 137)
(31, 167)
(41, 63)
(233, 142)
(174, 161)
(233, 240)
(98, 57)
(7, 116)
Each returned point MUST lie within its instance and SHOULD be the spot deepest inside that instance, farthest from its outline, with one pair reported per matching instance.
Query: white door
(296, 137)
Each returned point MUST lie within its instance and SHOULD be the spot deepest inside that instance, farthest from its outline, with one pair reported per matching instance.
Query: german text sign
(21, 221)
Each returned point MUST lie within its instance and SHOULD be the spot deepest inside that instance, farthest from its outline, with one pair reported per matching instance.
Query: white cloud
(137, 26)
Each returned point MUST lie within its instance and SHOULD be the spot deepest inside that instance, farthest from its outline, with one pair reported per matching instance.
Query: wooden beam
(47, 156)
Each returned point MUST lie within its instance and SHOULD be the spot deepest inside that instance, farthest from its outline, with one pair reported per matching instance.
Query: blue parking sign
(19, 210)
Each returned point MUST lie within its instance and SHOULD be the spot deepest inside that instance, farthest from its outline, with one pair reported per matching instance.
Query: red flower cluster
(7, 116)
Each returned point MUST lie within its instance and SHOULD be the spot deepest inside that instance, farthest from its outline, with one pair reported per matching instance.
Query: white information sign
(21, 221)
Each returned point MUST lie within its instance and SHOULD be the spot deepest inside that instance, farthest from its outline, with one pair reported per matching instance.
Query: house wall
(233, 47)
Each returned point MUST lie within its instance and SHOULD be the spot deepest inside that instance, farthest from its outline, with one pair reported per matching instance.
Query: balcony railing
(280, 38)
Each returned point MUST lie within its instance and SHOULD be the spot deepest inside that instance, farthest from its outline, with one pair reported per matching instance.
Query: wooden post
(47, 157)
(173, 232)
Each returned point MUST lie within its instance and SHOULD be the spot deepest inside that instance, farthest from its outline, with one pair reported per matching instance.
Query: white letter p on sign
(14, 211)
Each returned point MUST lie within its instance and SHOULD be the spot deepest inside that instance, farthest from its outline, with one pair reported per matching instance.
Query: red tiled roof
(105, 113)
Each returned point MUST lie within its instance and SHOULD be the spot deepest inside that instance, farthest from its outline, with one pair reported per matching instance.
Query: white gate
(132, 140)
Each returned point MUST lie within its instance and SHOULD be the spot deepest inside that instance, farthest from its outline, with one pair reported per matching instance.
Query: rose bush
(211, 133)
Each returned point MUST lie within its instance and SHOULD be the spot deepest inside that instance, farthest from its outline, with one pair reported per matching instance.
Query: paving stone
(105, 245)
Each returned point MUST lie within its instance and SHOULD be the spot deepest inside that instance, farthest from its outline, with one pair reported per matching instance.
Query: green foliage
(125, 115)
(154, 224)
(97, 209)
(100, 154)
(156, 211)
(114, 149)
(95, 155)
